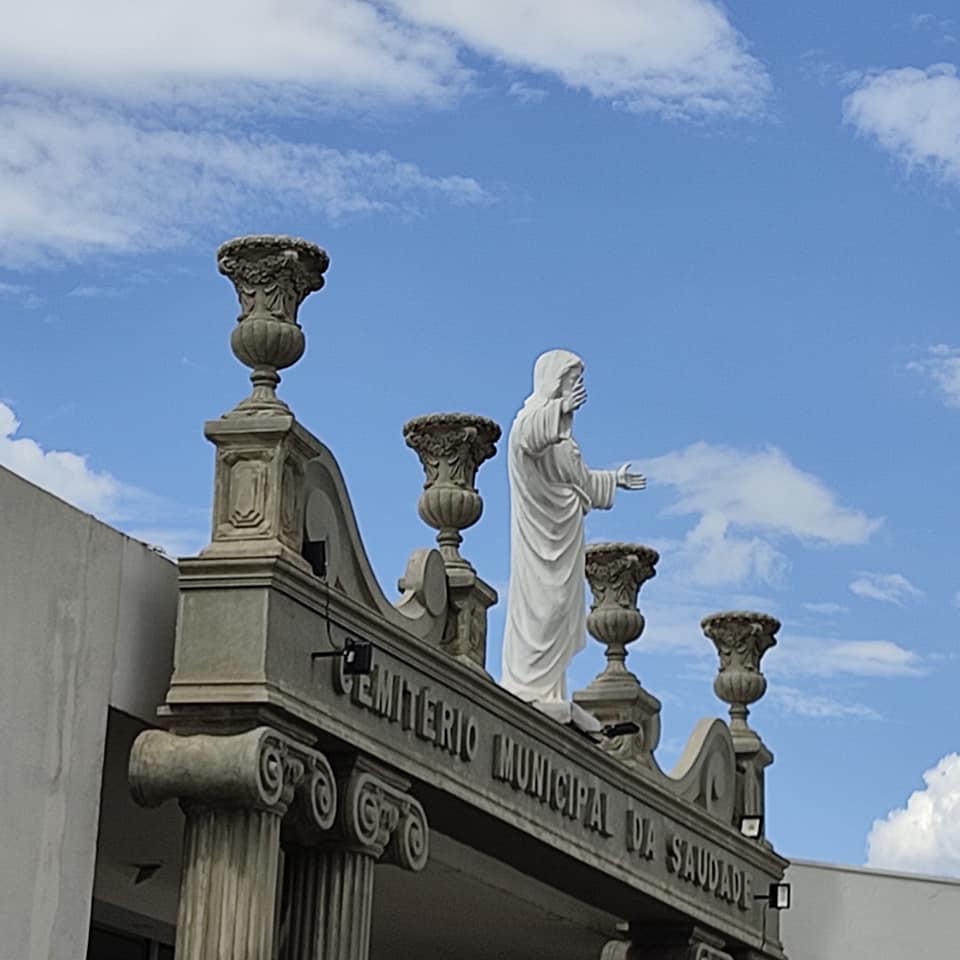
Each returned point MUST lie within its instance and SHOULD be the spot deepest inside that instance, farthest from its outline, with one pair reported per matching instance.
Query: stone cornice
(346, 615)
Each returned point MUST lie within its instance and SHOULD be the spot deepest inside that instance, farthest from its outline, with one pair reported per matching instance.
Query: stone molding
(329, 520)
(260, 769)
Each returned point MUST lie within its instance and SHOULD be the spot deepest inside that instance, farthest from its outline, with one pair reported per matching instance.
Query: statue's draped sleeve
(601, 487)
(542, 427)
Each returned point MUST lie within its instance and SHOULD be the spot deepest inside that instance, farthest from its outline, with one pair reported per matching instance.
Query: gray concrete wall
(86, 618)
(844, 913)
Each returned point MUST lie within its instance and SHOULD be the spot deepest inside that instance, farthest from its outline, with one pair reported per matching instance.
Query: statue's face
(569, 379)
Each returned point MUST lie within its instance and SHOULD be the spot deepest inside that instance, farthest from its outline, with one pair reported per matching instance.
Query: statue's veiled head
(554, 373)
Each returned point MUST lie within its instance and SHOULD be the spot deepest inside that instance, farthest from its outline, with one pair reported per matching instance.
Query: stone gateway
(305, 776)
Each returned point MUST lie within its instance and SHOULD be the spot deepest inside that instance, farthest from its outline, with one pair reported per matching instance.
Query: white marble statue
(551, 490)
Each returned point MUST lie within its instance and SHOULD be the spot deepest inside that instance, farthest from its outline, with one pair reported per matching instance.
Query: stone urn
(615, 572)
(741, 639)
(451, 447)
(272, 277)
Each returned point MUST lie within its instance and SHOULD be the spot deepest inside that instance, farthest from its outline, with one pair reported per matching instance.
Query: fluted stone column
(329, 879)
(234, 791)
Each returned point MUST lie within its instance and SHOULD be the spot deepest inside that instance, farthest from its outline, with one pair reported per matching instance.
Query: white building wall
(845, 913)
(86, 617)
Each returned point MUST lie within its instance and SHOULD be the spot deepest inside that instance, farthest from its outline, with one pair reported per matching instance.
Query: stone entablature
(286, 578)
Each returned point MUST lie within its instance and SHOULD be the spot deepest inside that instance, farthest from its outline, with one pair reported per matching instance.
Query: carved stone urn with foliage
(272, 277)
(741, 639)
(451, 448)
(616, 572)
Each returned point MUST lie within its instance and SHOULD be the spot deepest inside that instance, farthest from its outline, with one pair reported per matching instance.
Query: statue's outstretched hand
(630, 481)
(575, 399)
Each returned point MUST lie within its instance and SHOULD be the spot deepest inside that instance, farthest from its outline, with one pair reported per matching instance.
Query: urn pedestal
(616, 572)
(272, 277)
(451, 448)
(262, 451)
(741, 639)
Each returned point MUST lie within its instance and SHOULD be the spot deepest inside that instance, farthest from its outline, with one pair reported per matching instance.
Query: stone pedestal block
(451, 448)
(616, 572)
(742, 638)
(258, 507)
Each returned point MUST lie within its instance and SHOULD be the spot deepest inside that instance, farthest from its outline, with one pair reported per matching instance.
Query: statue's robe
(550, 492)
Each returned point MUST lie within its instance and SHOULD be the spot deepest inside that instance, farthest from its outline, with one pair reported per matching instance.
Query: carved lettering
(502, 758)
(446, 740)
(568, 792)
(471, 740)
(529, 771)
(539, 784)
(388, 694)
(701, 866)
(674, 853)
(640, 837)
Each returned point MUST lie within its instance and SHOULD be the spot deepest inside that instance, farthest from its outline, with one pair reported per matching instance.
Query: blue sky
(744, 218)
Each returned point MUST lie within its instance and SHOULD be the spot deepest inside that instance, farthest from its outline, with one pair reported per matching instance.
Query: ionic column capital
(377, 817)
(260, 769)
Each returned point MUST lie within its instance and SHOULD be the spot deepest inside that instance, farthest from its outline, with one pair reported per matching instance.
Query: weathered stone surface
(741, 639)
(272, 275)
(234, 791)
(616, 572)
(451, 448)
(329, 886)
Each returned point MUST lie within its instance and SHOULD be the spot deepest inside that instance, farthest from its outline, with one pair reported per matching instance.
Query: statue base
(569, 714)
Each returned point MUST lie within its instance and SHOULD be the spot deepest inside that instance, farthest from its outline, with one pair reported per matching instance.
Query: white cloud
(817, 706)
(956, 599)
(942, 366)
(825, 657)
(826, 609)
(69, 476)
(886, 587)
(924, 836)
(679, 58)
(929, 22)
(674, 57)
(91, 292)
(912, 114)
(21, 295)
(78, 180)
(714, 557)
(743, 500)
(315, 51)
(762, 491)
(526, 93)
